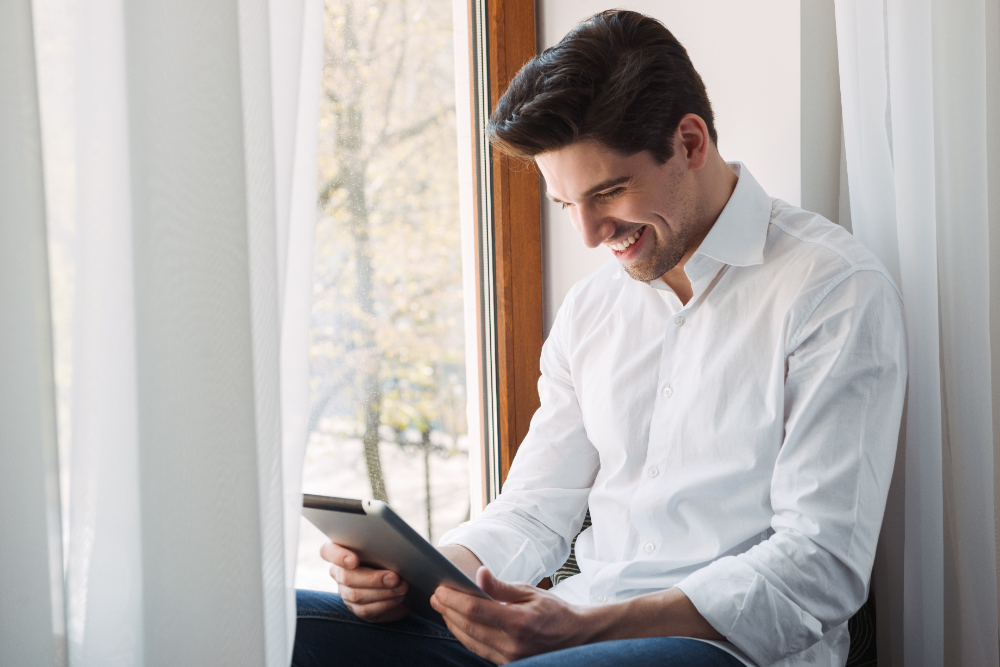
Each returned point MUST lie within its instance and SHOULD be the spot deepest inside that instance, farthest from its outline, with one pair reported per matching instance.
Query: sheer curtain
(193, 131)
(32, 625)
(919, 85)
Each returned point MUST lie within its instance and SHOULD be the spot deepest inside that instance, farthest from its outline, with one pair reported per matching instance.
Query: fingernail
(389, 580)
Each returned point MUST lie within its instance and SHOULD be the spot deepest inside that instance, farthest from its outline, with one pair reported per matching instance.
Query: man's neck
(716, 185)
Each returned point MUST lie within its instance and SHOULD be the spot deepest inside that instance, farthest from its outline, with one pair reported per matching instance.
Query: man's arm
(526, 533)
(844, 386)
(464, 560)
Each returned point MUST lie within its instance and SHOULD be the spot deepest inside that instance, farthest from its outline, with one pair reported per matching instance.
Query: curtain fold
(105, 621)
(194, 131)
(295, 257)
(31, 591)
(914, 91)
(959, 38)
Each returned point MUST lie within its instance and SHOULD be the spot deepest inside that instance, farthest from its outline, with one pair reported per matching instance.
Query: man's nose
(595, 227)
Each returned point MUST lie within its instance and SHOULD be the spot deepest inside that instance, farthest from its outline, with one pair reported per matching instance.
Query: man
(724, 397)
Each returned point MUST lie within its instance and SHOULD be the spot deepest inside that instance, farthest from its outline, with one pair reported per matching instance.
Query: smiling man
(724, 397)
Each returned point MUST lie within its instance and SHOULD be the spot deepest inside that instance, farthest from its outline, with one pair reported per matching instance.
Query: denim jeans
(328, 634)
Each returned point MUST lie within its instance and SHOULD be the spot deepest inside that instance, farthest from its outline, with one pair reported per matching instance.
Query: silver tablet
(382, 540)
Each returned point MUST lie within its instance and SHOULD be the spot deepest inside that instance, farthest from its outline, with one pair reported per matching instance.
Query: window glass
(388, 369)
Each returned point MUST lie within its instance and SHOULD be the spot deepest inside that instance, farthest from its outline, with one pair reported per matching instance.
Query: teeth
(627, 242)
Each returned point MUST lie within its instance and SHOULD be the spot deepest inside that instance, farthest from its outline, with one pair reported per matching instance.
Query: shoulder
(828, 269)
(818, 252)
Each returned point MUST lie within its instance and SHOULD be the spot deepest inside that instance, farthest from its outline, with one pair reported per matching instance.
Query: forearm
(666, 613)
(464, 560)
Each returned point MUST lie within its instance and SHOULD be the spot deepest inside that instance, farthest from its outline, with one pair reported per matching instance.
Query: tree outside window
(387, 340)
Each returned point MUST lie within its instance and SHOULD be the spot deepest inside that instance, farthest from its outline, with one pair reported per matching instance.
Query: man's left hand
(531, 621)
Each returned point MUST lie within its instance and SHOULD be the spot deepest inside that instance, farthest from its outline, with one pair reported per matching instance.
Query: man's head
(618, 78)
(619, 123)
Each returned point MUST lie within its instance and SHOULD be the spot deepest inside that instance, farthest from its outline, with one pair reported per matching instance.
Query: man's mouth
(621, 246)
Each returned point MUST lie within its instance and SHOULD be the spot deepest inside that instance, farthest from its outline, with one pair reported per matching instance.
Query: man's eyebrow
(603, 185)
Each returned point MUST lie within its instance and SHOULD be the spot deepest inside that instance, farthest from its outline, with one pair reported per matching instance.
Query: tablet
(381, 539)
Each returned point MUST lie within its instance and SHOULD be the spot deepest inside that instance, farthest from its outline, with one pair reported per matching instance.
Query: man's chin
(646, 272)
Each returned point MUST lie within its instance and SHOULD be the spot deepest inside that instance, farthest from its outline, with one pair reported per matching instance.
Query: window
(395, 355)
(387, 357)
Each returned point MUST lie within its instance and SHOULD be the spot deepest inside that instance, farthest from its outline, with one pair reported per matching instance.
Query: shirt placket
(664, 451)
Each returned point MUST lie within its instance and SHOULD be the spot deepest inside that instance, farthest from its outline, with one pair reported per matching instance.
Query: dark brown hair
(619, 78)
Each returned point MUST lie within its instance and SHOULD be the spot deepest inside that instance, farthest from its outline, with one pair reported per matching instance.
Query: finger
(480, 648)
(486, 612)
(334, 553)
(486, 632)
(368, 595)
(365, 577)
(375, 610)
(501, 590)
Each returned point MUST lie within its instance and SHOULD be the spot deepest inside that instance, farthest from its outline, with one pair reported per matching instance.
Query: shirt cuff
(505, 553)
(750, 612)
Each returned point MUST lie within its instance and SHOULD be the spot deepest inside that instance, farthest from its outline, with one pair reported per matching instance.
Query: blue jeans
(328, 634)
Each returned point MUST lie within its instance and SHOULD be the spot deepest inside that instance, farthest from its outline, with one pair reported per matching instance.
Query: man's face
(644, 212)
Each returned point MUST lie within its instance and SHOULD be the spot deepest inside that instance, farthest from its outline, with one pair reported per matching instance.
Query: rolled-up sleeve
(525, 534)
(844, 390)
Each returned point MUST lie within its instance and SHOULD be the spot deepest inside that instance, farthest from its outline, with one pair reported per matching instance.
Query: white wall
(748, 55)
(822, 160)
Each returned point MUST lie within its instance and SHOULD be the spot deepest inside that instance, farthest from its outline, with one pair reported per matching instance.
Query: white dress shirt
(739, 447)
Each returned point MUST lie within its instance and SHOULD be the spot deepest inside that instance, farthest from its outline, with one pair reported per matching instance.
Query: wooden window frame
(509, 261)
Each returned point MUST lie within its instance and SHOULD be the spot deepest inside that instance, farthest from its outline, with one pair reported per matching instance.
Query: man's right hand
(373, 595)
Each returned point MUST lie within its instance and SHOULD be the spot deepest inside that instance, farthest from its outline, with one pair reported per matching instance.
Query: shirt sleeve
(844, 390)
(525, 534)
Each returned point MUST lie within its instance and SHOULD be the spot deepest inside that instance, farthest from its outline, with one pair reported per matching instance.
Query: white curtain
(919, 89)
(193, 130)
(32, 626)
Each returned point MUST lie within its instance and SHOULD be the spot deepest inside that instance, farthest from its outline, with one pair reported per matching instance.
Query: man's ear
(693, 139)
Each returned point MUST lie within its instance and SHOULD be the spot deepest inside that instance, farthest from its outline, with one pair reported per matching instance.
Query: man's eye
(610, 194)
(563, 205)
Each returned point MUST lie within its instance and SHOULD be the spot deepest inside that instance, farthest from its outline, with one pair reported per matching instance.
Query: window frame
(509, 257)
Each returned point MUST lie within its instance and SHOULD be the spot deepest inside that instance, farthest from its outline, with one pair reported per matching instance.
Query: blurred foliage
(387, 342)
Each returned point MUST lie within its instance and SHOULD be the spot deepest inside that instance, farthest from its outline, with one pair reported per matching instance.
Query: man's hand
(532, 621)
(373, 595)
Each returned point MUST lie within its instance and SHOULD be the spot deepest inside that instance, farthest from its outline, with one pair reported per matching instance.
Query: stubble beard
(665, 256)
(668, 252)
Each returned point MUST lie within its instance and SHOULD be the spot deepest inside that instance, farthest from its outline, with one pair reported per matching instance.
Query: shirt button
(649, 547)
(668, 392)
(653, 472)
(679, 321)
(601, 599)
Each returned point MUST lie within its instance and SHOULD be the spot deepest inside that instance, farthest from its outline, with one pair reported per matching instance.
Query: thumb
(501, 591)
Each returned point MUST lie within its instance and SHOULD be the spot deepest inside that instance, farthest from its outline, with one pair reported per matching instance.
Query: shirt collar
(738, 235)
